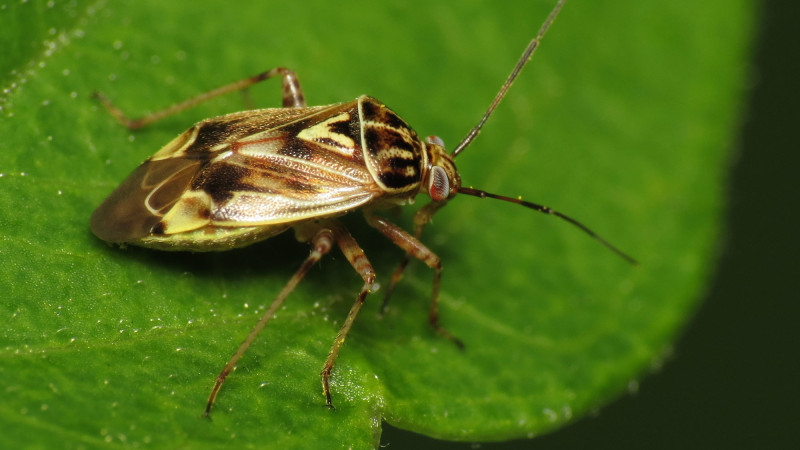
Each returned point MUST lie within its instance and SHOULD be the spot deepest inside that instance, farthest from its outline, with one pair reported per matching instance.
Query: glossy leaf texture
(624, 120)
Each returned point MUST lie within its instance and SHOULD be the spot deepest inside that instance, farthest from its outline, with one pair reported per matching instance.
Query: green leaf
(623, 121)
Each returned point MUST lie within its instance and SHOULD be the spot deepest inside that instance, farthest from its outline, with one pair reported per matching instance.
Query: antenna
(473, 133)
(526, 56)
(546, 210)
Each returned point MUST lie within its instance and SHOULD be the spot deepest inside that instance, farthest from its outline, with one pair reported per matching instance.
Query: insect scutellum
(240, 178)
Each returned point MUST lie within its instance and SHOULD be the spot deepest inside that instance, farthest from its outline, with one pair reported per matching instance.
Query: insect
(237, 179)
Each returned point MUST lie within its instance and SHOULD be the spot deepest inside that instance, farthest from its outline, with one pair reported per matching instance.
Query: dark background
(734, 381)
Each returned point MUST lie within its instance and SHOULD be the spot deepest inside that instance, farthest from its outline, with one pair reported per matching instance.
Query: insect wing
(250, 169)
(140, 202)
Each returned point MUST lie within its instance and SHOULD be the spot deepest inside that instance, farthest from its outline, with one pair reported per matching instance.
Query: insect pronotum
(240, 178)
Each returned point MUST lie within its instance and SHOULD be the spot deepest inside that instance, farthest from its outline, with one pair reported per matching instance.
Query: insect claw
(447, 335)
(327, 392)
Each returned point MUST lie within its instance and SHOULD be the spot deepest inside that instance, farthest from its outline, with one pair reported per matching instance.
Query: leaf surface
(623, 121)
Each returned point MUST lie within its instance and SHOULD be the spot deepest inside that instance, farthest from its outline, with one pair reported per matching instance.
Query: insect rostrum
(240, 178)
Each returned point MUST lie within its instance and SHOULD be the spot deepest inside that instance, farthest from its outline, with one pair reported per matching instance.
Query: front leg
(416, 249)
(421, 218)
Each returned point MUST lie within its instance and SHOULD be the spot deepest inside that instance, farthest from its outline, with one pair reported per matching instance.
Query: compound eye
(438, 184)
(435, 140)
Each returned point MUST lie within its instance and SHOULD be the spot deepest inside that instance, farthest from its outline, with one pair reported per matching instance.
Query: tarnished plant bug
(237, 179)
